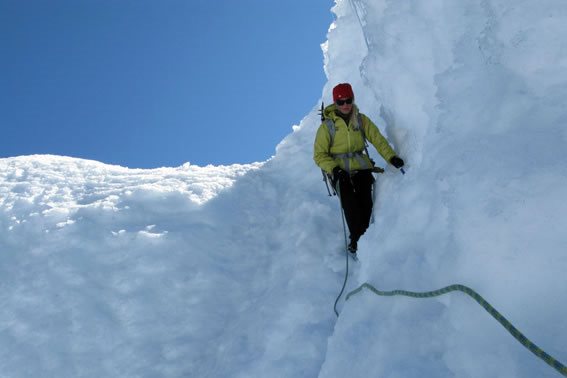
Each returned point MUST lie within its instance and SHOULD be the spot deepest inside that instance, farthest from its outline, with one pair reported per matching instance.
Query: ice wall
(472, 95)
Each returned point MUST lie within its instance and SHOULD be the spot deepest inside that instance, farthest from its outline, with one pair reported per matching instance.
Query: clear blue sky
(157, 83)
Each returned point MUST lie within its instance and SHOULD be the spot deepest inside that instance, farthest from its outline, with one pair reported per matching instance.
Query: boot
(352, 247)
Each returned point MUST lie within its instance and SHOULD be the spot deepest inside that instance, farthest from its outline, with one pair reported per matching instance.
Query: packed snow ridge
(233, 271)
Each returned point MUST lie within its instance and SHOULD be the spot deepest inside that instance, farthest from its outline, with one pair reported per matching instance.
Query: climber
(343, 156)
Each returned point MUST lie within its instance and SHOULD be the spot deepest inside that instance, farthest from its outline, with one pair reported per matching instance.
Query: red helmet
(343, 90)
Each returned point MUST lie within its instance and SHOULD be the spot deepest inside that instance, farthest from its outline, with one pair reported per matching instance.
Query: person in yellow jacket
(342, 156)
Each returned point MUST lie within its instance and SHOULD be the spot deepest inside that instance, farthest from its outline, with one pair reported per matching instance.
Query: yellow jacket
(348, 140)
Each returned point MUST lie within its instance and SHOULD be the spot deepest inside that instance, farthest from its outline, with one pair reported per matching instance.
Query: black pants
(356, 200)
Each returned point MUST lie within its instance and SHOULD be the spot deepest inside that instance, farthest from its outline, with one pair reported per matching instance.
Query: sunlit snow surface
(233, 271)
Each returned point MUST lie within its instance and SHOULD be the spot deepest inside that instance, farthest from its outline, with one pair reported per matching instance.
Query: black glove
(339, 174)
(397, 162)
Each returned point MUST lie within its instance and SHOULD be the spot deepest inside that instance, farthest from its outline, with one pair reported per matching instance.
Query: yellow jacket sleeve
(322, 150)
(377, 139)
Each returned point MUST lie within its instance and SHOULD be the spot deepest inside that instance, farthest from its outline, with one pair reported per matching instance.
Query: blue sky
(146, 84)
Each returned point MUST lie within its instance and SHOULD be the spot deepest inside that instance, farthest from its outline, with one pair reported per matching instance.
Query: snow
(233, 271)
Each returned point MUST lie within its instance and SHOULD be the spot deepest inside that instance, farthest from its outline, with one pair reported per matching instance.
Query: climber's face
(345, 105)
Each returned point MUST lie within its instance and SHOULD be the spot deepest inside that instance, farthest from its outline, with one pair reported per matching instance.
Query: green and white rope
(562, 369)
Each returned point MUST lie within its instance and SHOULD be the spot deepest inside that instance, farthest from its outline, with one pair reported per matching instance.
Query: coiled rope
(562, 369)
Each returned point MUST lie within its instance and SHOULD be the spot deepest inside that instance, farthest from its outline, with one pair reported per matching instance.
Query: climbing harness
(562, 369)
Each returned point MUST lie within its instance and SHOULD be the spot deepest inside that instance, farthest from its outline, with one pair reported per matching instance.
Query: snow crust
(233, 271)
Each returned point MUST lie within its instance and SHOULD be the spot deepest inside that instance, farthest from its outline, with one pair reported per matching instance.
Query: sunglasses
(342, 102)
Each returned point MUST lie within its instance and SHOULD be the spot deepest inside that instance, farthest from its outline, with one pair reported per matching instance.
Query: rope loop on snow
(562, 369)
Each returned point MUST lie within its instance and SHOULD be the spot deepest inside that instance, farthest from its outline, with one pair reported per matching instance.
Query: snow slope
(233, 271)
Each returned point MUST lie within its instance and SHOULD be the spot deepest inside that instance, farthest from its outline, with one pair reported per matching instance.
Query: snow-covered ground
(233, 271)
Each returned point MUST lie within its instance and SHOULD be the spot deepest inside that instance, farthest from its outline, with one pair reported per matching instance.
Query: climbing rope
(338, 190)
(562, 369)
